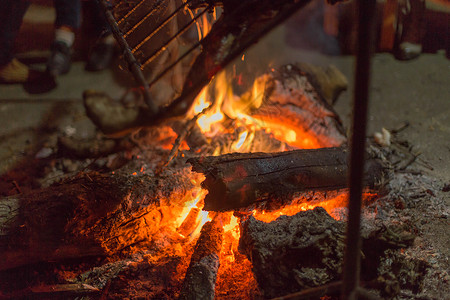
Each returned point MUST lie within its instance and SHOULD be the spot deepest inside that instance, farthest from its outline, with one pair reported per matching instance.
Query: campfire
(169, 230)
(243, 198)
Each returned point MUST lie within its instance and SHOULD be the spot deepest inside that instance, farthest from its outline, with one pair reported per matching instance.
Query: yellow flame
(203, 24)
(238, 144)
(205, 122)
(213, 116)
(200, 102)
(204, 217)
(233, 226)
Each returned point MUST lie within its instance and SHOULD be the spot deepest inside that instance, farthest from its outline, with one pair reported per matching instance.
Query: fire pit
(260, 214)
(145, 219)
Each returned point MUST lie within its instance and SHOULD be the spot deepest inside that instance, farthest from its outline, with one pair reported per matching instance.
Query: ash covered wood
(200, 280)
(240, 179)
(294, 253)
(89, 215)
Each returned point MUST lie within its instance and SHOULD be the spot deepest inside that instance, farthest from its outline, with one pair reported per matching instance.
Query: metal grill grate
(153, 35)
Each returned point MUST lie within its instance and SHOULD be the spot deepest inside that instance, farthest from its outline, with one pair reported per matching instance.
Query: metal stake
(133, 64)
(351, 272)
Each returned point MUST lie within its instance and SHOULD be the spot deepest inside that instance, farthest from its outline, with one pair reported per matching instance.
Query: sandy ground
(417, 92)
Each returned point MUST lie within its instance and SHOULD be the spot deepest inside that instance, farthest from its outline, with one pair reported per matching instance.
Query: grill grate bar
(133, 64)
(119, 22)
(160, 26)
(172, 38)
(171, 66)
(154, 8)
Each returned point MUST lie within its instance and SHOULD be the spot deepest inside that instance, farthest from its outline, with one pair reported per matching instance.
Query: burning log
(200, 280)
(290, 102)
(89, 215)
(241, 179)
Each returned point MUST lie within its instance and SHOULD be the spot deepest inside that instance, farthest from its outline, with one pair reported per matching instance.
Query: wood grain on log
(90, 215)
(294, 103)
(240, 179)
(200, 280)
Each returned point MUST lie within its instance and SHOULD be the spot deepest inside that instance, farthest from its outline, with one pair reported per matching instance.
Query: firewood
(89, 215)
(59, 291)
(293, 101)
(200, 280)
(240, 26)
(91, 148)
(329, 81)
(240, 179)
(296, 253)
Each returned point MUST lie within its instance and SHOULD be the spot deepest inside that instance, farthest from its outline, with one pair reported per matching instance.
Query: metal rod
(167, 69)
(130, 12)
(133, 64)
(152, 10)
(351, 270)
(161, 25)
(172, 38)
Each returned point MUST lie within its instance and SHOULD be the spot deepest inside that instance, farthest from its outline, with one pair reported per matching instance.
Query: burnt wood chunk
(240, 179)
(294, 253)
(293, 101)
(201, 275)
(90, 215)
(306, 250)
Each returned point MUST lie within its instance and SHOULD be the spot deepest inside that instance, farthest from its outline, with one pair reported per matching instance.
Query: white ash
(383, 138)
(417, 201)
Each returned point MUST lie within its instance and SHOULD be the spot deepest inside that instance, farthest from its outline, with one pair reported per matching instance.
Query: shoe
(411, 19)
(408, 51)
(60, 59)
(100, 57)
(16, 72)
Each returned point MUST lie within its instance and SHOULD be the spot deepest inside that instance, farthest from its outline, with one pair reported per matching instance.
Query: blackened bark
(240, 179)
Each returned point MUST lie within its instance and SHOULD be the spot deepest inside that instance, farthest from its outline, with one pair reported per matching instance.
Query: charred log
(90, 215)
(200, 280)
(293, 101)
(285, 260)
(329, 81)
(295, 253)
(91, 148)
(240, 179)
(61, 291)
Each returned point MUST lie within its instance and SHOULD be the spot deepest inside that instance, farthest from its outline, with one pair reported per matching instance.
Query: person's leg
(412, 19)
(11, 15)
(102, 52)
(68, 19)
(68, 14)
